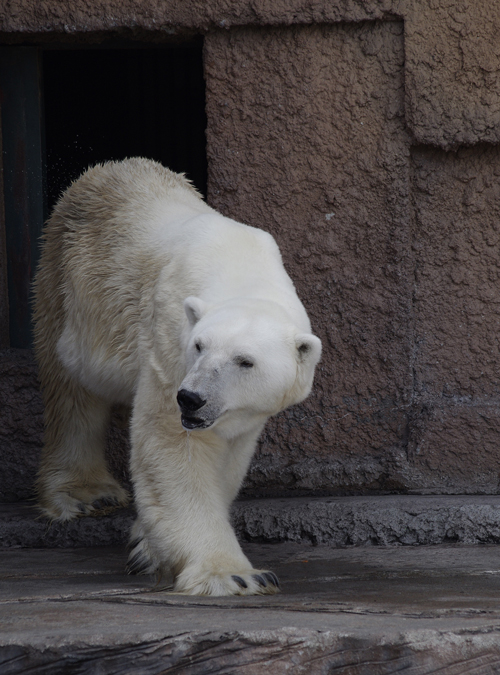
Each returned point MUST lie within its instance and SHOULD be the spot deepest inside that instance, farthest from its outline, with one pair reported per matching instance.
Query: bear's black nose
(189, 401)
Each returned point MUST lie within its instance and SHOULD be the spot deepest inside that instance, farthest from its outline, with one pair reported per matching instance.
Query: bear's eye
(197, 346)
(244, 362)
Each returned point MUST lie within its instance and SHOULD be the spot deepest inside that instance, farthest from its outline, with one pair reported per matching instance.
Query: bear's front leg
(183, 513)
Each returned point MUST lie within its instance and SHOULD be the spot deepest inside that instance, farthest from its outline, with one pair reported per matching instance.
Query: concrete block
(334, 521)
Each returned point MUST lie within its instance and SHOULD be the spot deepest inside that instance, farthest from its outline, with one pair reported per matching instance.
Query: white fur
(144, 291)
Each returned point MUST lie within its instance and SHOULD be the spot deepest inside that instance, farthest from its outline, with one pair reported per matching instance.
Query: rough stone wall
(392, 243)
(21, 424)
(452, 72)
(322, 143)
(456, 242)
(363, 135)
(21, 428)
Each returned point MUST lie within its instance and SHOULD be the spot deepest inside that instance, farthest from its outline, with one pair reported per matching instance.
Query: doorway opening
(108, 104)
(69, 108)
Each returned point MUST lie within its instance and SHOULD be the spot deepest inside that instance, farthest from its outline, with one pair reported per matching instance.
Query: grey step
(334, 521)
(353, 611)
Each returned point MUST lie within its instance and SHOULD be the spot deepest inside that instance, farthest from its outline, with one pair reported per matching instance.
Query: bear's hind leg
(74, 479)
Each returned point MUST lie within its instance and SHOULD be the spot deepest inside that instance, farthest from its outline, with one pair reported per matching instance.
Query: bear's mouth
(190, 423)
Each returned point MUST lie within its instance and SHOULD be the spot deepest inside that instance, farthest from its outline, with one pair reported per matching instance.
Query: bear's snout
(189, 401)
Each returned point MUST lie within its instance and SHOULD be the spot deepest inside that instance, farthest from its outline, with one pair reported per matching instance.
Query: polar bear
(146, 296)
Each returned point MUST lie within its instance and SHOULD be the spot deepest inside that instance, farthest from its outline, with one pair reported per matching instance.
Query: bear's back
(95, 274)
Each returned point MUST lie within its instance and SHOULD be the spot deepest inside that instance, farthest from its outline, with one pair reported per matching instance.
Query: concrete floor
(365, 610)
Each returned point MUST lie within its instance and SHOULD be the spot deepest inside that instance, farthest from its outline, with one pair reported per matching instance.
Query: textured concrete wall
(363, 136)
(21, 424)
(392, 245)
(456, 435)
(21, 428)
(452, 72)
(321, 141)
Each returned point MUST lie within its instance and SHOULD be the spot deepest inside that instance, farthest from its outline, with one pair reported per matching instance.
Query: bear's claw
(252, 582)
(271, 576)
(140, 558)
(260, 580)
(138, 564)
(133, 543)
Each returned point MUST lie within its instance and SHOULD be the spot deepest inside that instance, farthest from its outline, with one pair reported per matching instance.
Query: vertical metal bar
(4, 288)
(21, 110)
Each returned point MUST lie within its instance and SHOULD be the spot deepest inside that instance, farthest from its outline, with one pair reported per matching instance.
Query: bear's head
(245, 361)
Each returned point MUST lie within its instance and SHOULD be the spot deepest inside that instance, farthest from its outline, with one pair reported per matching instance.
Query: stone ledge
(372, 520)
(352, 611)
(392, 520)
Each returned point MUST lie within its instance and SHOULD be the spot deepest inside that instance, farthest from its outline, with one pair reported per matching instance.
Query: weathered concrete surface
(329, 159)
(335, 521)
(21, 424)
(27, 17)
(452, 72)
(404, 298)
(354, 611)
(21, 428)
(455, 415)
(389, 520)
(452, 55)
(22, 525)
(457, 271)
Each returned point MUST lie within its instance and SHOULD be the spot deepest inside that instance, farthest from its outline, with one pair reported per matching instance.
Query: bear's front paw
(248, 582)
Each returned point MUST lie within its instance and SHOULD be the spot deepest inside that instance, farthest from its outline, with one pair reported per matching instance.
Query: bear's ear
(308, 353)
(308, 349)
(194, 308)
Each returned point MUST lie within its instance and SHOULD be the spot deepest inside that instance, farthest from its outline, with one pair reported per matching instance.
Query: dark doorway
(103, 104)
(64, 109)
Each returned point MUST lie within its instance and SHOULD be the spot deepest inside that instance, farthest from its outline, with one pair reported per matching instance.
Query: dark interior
(102, 104)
